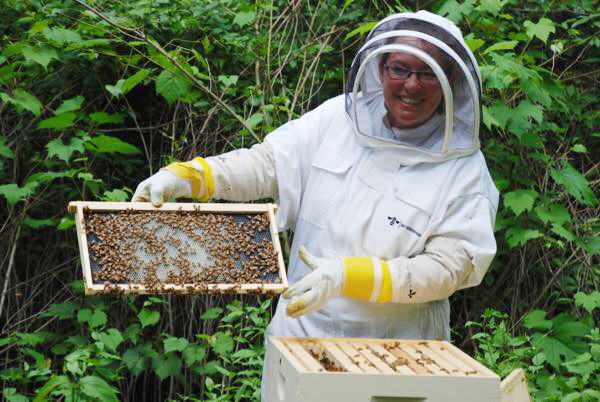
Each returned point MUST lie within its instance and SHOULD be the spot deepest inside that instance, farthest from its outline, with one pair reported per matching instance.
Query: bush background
(95, 98)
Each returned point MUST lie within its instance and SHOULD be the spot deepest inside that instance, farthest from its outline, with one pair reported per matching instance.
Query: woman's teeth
(410, 101)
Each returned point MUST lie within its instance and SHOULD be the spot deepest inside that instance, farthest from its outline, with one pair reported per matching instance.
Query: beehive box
(130, 247)
(374, 370)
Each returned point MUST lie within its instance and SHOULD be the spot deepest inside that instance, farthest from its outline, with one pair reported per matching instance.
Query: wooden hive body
(198, 253)
(374, 370)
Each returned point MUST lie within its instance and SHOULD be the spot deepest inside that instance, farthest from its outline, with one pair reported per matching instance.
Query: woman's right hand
(178, 180)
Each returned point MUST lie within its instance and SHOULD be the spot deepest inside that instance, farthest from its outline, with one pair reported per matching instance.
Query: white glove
(191, 179)
(313, 291)
(162, 186)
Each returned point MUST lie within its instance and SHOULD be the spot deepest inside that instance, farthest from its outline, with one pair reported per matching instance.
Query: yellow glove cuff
(367, 278)
(187, 171)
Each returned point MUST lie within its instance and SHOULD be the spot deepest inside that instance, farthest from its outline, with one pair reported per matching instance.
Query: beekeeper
(389, 198)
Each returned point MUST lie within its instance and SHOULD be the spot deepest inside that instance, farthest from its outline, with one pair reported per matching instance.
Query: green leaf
(517, 236)
(536, 319)
(148, 317)
(167, 367)
(117, 89)
(96, 387)
(62, 311)
(104, 118)
(135, 361)
(13, 193)
(58, 148)
(212, 313)
(582, 365)
(59, 122)
(134, 80)
(193, 354)
(589, 302)
(506, 45)
(41, 55)
(53, 383)
(492, 6)
(33, 338)
(579, 148)
(173, 344)
(228, 80)
(552, 348)
(5, 150)
(474, 43)
(25, 100)
(37, 223)
(454, 10)
(94, 318)
(244, 18)
(111, 339)
(542, 29)
(107, 144)
(70, 105)
(554, 213)
(65, 223)
(115, 195)
(11, 395)
(568, 327)
(254, 120)
(520, 201)
(223, 343)
(61, 35)
(575, 183)
(563, 232)
(244, 354)
(362, 29)
(172, 86)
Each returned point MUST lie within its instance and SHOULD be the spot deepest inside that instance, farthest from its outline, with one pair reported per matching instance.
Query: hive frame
(77, 207)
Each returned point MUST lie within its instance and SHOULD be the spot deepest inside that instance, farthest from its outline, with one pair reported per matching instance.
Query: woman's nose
(412, 82)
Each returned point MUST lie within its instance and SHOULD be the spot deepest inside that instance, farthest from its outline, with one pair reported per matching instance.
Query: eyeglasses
(397, 72)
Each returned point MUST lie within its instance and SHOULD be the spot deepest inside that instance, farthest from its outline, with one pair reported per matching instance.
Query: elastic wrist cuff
(209, 183)
(367, 278)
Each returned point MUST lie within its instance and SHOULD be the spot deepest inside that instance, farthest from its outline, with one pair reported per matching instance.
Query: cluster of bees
(189, 250)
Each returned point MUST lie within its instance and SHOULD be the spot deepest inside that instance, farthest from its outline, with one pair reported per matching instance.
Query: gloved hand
(178, 180)
(313, 291)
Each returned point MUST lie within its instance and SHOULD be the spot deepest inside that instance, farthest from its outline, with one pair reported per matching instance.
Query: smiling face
(410, 102)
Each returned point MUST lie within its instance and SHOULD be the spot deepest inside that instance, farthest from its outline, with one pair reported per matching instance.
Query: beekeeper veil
(449, 127)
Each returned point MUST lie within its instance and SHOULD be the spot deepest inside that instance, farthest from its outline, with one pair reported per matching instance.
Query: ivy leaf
(555, 213)
(62, 311)
(254, 120)
(536, 319)
(111, 339)
(117, 89)
(517, 236)
(589, 302)
(492, 6)
(61, 35)
(244, 18)
(134, 80)
(474, 43)
(228, 80)
(96, 387)
(454, 10)
(13, 193)
(520, 200)
(223, 343)
(173, 344)
(166, 367)
(59, 122)
(107, 144)
(70, 105)
(58, 148)
(148, 317)
(575, 183)
(362, 29)
(41, 55)
(104, 118)
(135, 361)
(25, 100)
(552, 348)
(193, 354)
(94, 318)
(542, 29)
(5, 150)
(171, 86)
